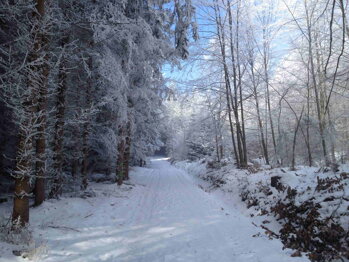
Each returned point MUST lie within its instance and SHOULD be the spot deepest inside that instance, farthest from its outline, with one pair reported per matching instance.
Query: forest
(174, 130)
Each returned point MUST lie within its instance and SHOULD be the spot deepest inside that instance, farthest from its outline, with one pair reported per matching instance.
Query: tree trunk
(221, 37)
(120, 160)
(236, 154)
(259, 119)
(269, 107)
(127, 152)
(310, 158)
(279, 159)
(127, 158)
(240, 133)
(217, 148)
(74, 168)
(316, 90)
(59, 131)
(243, 133)
(85, 152)
(39, 189)
(77, 143)
(332, 130)
(295, 140)
(86, 131)
(20, 214)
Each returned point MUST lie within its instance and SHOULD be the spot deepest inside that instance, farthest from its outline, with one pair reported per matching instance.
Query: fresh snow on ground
(313, 200)
(160, 215)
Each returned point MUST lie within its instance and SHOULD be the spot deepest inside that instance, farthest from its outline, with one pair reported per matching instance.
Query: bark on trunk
(217, 148)
(39, 189)
(20, 214)
(240, 126)
(86, 132)
(43, 70)
(74, 168)
(310, 158)
(243, 133)
(59, 132)
(318, 99)
(85, 151)
(259, 119)
(120, 162)
(221, 37)
(127, 152)
(295, 140)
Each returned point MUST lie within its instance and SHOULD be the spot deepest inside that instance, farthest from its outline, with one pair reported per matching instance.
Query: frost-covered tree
(281, 67)
(81, 82)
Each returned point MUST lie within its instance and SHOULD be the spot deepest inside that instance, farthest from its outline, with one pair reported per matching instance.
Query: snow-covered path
(175, 220)
(166, 217)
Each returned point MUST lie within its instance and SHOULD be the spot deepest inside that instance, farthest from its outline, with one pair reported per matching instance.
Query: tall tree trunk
(85, 152)
(74, 168)
(127, 152)
(236, 154)
(59, 130)
(23, 171)
(316, 89)
(295, 140)
(119, 172)
(39, 189)
(310, 158)
(259, 119)
(20, 214)
(269, 107)
(77, 143)
(221, 148)
(280, 156)
(240, 137)
(243, 133)
(331, 128)
(217, 148)
(221, 37)
(86, 131)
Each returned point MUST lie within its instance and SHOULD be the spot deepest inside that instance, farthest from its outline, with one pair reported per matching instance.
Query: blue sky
(191, 70)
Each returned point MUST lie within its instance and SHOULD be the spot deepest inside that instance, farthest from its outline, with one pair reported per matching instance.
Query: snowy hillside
(307, 209)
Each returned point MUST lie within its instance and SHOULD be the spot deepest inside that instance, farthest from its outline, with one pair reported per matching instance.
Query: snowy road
(166, 217)
(175, 220)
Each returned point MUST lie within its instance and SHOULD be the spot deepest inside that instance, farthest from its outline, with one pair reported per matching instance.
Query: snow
(160, 215)
(250, 191)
